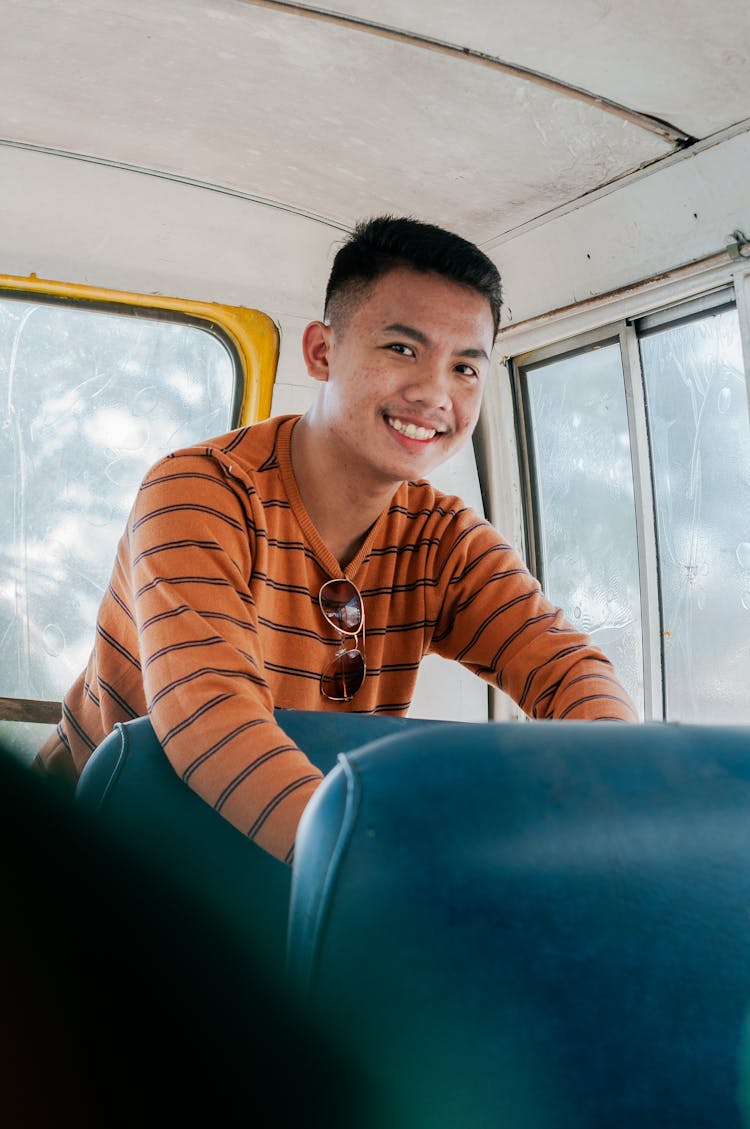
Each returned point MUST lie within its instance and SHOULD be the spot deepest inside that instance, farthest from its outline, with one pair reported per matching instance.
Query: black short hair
(383, 243)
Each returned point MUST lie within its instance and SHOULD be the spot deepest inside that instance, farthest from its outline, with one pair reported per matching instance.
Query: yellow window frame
(253, 334)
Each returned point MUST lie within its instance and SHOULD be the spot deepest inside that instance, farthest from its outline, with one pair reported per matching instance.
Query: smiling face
(401, 376)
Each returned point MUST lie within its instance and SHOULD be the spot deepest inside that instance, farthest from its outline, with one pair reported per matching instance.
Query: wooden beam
(30, 709)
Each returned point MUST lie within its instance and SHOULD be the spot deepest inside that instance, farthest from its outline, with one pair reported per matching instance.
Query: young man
(305, 562)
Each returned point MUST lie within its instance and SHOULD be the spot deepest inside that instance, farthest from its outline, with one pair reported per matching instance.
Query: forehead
(426, 301)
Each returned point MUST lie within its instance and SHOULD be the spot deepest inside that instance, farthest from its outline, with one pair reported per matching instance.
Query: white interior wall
(107, 226)
(682, 211)
(99, 225)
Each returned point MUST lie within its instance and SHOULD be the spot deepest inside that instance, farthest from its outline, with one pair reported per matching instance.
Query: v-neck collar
(306, 524)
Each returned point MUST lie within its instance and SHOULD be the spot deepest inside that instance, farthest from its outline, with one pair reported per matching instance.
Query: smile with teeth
(410, 430)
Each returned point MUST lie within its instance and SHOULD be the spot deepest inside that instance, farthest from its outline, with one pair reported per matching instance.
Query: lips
(411, 430)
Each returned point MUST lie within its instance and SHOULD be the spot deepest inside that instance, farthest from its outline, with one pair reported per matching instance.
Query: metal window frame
(730, 289)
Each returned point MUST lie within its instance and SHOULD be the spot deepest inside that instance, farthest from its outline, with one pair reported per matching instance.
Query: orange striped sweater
(211, 619)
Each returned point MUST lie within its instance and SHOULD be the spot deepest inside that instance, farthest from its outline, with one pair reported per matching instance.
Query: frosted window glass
(698, 420)
(89, 400)
(586, 512)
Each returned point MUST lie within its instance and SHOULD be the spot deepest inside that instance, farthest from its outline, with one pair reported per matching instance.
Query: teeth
(410, 430)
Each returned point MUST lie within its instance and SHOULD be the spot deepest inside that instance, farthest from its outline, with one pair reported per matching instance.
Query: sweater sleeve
(191, 539)
(496, 621)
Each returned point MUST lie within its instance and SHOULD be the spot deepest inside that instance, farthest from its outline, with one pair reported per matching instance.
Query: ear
(316, 345)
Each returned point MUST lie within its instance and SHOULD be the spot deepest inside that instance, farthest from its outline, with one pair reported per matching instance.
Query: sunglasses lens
(343, 677)
(341, 604)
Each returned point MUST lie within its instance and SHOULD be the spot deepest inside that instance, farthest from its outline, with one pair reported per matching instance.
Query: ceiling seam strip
(645, 121)
(178, 178)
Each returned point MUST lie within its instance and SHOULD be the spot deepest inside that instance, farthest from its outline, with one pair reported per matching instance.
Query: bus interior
(176, 178)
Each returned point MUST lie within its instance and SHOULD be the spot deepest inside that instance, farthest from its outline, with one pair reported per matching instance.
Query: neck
(341, 508)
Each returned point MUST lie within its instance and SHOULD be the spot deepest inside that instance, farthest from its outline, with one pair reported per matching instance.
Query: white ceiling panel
(684, 61)
(335, 122)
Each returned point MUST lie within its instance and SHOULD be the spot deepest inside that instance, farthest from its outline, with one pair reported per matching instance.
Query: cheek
(373, 386)
(352, 401)
(467, 411)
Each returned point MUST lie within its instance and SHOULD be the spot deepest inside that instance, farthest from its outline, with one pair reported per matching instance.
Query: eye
(401, 349)
(467, 370)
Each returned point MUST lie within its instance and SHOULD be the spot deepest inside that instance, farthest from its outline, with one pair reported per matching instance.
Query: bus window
(91, 397)
(700, 450)
(583, 474)
(638, 462)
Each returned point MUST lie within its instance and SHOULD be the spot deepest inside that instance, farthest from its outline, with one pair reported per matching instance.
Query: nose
(430, 385)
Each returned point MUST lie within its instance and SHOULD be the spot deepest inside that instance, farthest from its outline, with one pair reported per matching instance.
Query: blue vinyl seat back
(539, 926)
(129, 784)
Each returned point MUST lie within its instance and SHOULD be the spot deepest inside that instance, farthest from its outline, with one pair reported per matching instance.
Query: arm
(496, 621)
(192, 543)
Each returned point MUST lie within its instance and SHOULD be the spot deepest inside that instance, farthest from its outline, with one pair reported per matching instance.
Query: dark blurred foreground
(124, 1002)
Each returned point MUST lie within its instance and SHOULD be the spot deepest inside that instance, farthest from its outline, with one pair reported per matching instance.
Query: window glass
(89, 401)
(700, 448)
(586, 512)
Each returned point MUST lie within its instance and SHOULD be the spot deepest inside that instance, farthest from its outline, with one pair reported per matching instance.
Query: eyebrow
(422, 339)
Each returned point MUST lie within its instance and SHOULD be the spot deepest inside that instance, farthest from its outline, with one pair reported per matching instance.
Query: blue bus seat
(539, 926)
(129, 784)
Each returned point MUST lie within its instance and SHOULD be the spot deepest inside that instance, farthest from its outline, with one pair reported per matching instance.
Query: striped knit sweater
(211, 619)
